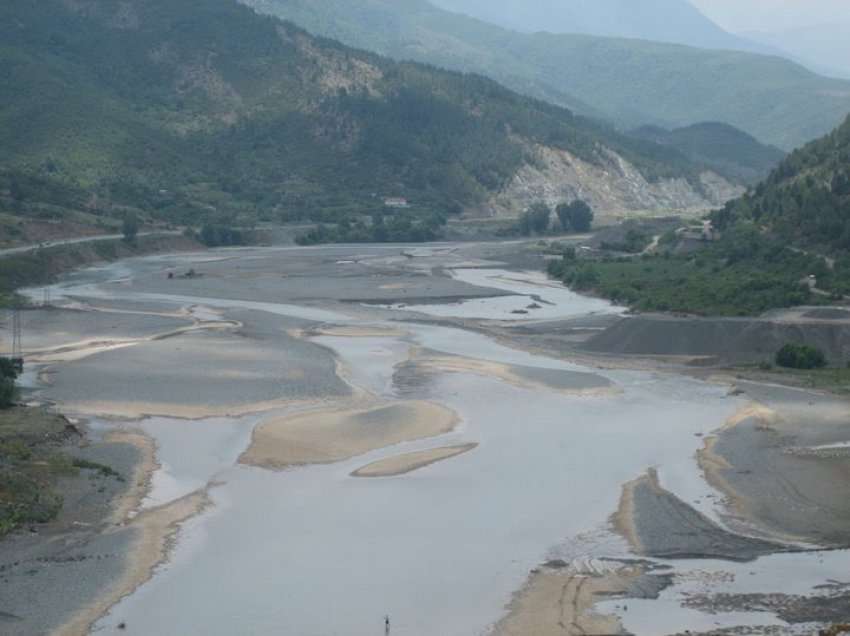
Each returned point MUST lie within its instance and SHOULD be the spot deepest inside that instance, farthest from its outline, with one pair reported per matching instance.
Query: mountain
(673, 21)
(806, 199)
(629, 82)
(825, 47)
(727, 150)
(186, 110)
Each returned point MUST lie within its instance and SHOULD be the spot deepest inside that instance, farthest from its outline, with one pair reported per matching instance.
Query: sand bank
(329, 436)
(658, 524)
(357, 332)
(155, 530)
(569, 382)
(139, 410)
(780, 470)
(559, 602)
(409, 462)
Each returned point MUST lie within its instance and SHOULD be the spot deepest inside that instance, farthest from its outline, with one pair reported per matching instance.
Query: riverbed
(236, 342)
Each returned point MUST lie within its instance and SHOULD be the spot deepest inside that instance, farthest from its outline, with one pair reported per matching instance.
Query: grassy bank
(34, 457)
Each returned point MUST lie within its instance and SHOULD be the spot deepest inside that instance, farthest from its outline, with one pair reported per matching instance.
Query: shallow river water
(312, 551)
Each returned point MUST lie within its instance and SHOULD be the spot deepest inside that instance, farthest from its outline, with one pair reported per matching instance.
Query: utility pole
(17, 352)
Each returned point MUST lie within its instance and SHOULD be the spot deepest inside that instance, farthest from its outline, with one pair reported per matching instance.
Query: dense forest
(193, 112)
(806, 200)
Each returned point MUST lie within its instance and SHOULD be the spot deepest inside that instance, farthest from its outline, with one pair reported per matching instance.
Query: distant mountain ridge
(629, 82)
(189, 110)
(672, 21)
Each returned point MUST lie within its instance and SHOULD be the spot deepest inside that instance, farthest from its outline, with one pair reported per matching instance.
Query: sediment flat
(409, 462)
(571, 382)
(766, 463)
(557, 601)
(328, 436)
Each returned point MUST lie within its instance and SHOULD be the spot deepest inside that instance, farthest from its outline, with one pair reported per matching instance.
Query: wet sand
(409, 462)
(569, 382)
(767, 462)
(154, 530)
(557, 601)
(334, 435)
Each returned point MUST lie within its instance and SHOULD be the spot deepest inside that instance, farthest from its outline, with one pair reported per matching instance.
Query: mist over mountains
(675, 21)
(626, 81)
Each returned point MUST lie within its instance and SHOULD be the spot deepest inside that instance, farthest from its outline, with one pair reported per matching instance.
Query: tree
(130, 228)
(576, 216)
(538, 217)
(8, 390)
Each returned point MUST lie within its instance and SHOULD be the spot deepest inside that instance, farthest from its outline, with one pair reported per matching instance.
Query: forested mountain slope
(630, 82)
(806, 200)
(726, 149)
(185, 109)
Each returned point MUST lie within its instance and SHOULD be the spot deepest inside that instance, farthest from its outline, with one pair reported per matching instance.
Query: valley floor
(432, 432)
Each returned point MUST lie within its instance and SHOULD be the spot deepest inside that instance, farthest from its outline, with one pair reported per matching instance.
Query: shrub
(800, 356)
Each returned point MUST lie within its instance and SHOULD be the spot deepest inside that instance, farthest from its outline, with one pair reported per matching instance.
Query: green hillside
(806, 200)
(630, 82)
(190, 109)
(727, 150)
(793, 225)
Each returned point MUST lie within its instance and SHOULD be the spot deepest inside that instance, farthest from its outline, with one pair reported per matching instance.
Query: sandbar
(562, 381)
(327, 436)
(559, 602)
(409, 462)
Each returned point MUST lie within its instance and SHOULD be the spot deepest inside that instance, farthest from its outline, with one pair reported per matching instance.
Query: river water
(313, 551)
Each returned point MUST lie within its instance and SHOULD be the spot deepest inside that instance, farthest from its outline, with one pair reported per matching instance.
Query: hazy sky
(773, 15)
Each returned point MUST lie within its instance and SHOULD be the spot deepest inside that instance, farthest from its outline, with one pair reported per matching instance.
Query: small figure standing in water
(386, 626)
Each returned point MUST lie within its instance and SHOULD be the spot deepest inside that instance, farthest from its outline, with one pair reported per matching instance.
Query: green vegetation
(206, 113)
(8, 376)
(800, 356)
(723, 148)
(381, 228)
(213, 235)
(130, 228)
(773, 240)
(832, 379)
(32, 461)
(806, 200)
(746, 274)
(629, 81)
(634, 242)
(535, 220)
(576, 216)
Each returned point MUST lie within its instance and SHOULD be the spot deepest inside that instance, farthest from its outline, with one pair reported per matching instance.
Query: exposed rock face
(614, 189)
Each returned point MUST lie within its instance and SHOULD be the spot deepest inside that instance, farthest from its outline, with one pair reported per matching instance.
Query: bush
(799, 356)
(576, 216)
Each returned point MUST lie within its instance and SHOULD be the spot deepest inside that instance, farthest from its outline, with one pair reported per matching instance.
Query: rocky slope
(613, 187)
